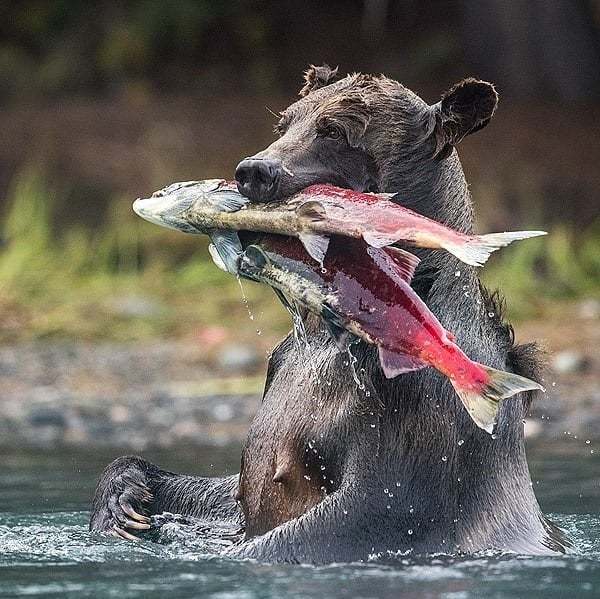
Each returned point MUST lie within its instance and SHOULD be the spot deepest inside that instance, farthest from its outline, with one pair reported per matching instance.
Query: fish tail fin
(483, 404)
(476, 250)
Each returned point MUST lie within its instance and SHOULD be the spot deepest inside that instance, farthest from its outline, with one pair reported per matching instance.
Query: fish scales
(313, 215)
(365, 292)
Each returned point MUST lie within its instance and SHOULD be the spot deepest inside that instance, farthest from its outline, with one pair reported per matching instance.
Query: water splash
(352, 362)
(301, 337)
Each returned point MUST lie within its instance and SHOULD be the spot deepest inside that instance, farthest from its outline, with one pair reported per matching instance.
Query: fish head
(168, 207)
(253, 262)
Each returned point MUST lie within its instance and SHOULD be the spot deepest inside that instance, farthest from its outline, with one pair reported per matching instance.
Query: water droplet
(345, 512)
(554, 383)
(491, 314)
(323, 270)
(411, 510)
(398, 484)
(353, 361)
(372, 425)
(587, 441)
(410, 531)
(457, 273)
(444, 458)
(386, 491)
(461, 441)
(494, 436)
(388, 506)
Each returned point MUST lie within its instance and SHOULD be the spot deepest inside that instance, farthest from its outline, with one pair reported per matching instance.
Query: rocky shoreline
(130, 396)
(165, 394)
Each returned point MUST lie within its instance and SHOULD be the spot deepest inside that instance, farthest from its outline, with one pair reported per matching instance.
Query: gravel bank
(168, 393)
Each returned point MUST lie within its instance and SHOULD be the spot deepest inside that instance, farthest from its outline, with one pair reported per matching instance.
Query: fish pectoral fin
(312, 211)
(216, 258)
(342, 338)
(228, 200)
(379, 239)
(315, 245)
(228, 248)
(395, 363)
(334, 324)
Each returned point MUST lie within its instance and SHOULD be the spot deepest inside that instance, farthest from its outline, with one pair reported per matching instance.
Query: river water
(46, 550)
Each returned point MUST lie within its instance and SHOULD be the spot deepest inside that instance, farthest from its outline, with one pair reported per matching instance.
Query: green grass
(539, 275)
(78, 284)
(130, 280)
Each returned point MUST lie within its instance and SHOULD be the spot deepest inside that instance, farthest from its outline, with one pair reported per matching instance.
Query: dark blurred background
(117, 98)
(107, 101)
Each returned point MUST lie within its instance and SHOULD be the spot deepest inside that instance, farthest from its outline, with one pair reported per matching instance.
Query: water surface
(46, 550)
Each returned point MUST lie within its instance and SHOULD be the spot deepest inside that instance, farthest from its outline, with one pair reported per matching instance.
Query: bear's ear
(316, 77)
(465, 108)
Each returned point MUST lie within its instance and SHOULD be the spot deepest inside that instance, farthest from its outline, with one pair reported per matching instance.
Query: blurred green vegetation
(129, 280)
(537, 275)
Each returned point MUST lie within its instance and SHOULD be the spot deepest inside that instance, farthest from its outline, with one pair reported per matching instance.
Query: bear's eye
(331, 132)
(283, 125)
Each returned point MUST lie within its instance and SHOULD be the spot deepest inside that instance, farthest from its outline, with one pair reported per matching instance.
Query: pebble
(238, 357)
(136, 306)
(589, 309)
(570, 361)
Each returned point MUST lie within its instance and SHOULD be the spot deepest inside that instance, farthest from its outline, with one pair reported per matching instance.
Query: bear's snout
(258, 178)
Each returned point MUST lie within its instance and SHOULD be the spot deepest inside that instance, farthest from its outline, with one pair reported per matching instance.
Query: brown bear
(331, 472)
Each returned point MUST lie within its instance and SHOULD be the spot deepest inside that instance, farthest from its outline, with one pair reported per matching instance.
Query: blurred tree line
(548, 48)
(113, 99)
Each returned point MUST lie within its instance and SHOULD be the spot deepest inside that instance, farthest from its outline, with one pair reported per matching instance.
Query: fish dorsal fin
(395, 363)
(228, 200)
(315, 245)
(312, 211)
(406, 261)
(228, 247)
(395, 262)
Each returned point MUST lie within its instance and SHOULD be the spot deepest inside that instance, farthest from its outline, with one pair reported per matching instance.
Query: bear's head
(362, 132)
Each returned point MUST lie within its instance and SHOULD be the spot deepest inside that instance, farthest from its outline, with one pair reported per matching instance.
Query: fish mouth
(168, 206)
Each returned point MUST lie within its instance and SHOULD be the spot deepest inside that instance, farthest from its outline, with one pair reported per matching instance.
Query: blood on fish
(366, 291)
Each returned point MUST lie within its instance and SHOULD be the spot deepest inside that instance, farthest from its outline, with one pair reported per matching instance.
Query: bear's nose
(258, 178)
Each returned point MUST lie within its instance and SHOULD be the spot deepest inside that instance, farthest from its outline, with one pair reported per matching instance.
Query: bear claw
(126, 507)
(123, 534)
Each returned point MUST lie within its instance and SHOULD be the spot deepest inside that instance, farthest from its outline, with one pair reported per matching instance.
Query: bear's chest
(296, 446)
